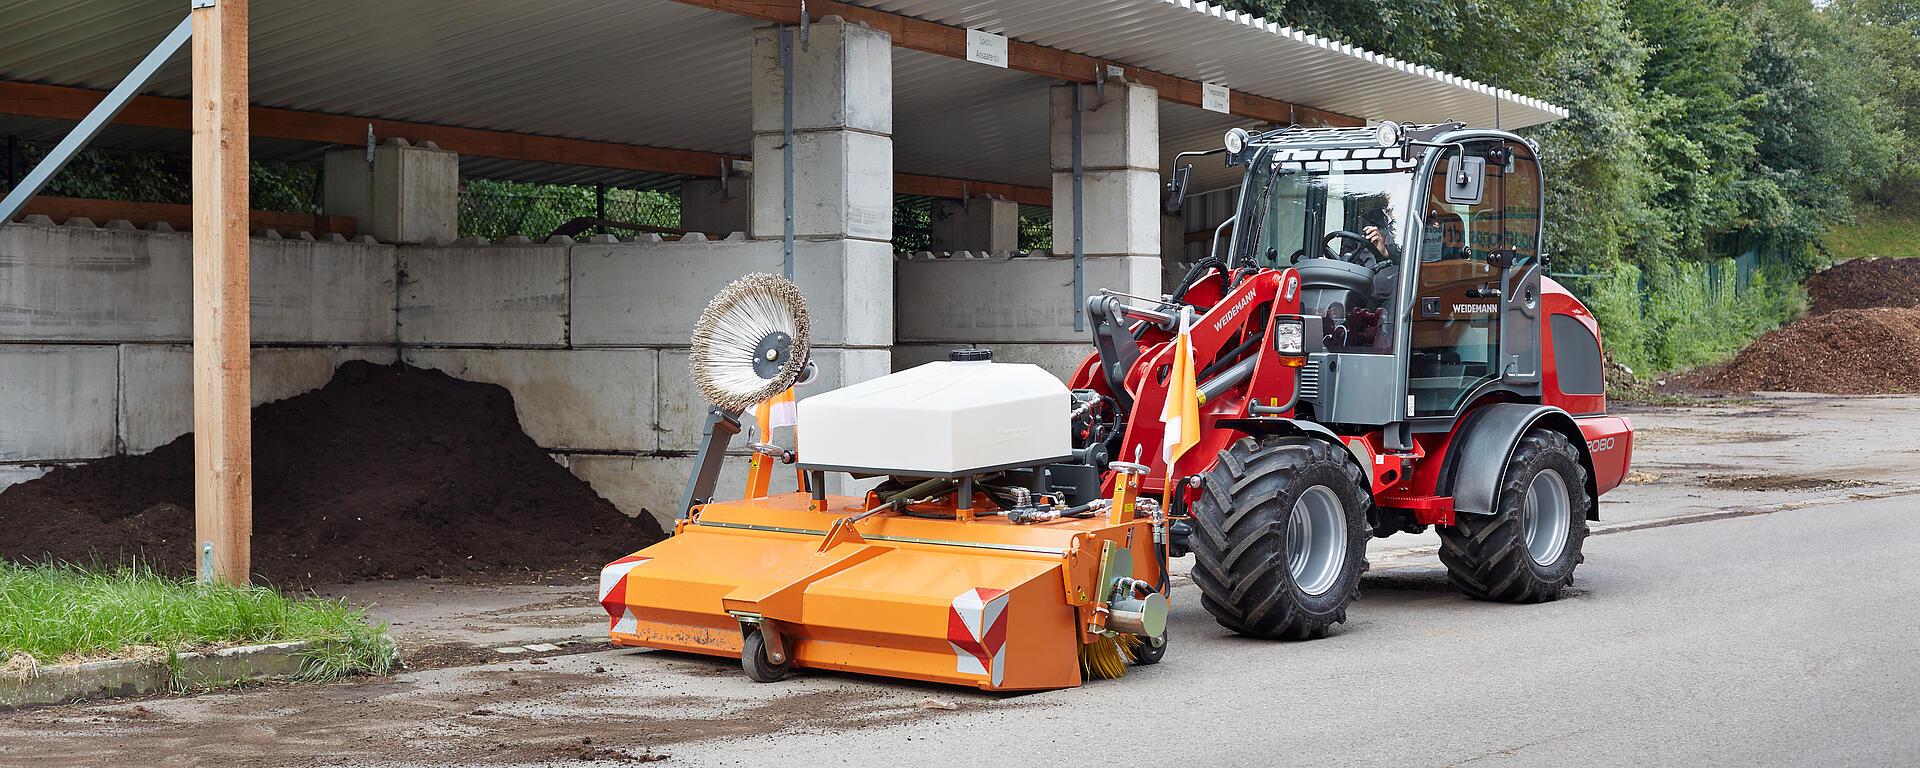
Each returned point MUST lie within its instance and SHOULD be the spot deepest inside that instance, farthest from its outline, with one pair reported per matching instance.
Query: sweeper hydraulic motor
(1376, 350)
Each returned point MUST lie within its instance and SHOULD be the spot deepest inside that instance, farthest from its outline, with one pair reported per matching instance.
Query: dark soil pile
(1865, 283)
(1845, 351)
(387, 472)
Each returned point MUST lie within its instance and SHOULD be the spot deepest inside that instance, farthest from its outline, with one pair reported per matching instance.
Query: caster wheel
(753, 659)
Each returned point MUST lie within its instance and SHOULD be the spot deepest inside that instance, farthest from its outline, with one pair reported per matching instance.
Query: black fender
(1484, 442)
(1274, 425)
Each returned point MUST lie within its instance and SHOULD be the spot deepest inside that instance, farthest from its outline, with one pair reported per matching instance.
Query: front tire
(1526, 551)
(1280, 537)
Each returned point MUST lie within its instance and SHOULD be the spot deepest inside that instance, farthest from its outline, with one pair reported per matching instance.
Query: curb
(68, 683)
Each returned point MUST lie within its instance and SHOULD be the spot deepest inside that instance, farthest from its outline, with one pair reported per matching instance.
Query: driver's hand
(1378, 238)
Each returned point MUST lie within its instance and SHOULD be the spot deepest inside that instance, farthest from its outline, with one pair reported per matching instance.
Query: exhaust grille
(1309, 382)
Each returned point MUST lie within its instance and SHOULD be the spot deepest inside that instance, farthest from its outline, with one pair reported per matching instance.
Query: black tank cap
(970, 355)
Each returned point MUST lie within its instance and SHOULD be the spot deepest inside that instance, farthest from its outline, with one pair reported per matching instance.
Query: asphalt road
(1782, 639)
(1782, 632)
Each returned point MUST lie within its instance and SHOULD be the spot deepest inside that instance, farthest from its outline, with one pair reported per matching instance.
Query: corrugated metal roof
(667, 74)
(1246, 53)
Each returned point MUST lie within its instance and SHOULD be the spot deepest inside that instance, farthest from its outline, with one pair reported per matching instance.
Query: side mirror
(1466, 179)
(1177, 188)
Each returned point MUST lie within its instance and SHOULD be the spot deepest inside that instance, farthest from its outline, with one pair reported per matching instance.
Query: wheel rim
(1545, 516)
(1316, 540)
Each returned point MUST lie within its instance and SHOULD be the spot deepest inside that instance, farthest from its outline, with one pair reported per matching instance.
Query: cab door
(1476, 296)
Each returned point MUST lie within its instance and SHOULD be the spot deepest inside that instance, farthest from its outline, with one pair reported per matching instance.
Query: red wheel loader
(1375, 349)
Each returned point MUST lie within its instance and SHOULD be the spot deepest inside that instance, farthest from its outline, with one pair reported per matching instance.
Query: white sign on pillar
(1215, 97)
(987, 48)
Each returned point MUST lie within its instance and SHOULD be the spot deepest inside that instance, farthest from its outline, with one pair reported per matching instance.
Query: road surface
(1762, 626)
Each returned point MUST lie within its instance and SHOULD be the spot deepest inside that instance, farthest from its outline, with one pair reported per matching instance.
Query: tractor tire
(1524, 552)
(1267, 509)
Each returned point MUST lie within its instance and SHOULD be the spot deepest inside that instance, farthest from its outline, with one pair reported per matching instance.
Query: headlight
(1288, 336)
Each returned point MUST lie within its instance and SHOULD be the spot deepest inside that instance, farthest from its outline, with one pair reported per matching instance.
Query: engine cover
(937, 420)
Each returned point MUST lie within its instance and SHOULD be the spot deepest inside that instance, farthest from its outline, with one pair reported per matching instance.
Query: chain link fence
(499, 209)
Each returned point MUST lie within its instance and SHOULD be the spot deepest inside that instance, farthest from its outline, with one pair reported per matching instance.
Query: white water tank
(953, 417)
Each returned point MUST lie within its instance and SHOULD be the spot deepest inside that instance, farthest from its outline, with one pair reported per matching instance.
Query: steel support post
(1079, 219)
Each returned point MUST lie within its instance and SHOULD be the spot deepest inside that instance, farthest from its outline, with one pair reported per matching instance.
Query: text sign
(1215, 97)
(987, 48)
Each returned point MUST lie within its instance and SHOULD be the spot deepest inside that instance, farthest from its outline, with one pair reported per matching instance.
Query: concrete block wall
(1020, 305)
(96, 322)
(590, 337)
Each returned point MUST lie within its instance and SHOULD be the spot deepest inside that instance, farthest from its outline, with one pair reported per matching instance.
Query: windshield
(1295, 197)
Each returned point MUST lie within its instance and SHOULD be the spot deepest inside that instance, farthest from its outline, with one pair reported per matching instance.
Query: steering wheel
(1363, 245)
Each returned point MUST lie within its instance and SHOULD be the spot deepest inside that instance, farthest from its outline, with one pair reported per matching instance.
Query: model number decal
(1600, 445)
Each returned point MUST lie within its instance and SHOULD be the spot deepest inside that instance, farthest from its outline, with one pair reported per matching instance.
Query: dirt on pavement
(512, 714)
(386, 472)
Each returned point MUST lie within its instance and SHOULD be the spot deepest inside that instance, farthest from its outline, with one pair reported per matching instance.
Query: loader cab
(1409, 326)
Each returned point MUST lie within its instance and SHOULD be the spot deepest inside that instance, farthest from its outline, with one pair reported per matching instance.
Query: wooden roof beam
(64, 103)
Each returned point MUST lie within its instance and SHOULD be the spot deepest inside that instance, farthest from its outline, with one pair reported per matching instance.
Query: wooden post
(222, 376)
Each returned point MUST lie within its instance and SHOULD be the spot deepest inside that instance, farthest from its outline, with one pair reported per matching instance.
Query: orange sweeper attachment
(963, 565)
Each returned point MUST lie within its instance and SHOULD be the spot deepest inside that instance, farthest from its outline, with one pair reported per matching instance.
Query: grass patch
(61, 612)
(1891, 232)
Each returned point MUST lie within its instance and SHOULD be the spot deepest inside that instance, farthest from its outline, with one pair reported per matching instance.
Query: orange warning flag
(782, 411)
(1181, 415)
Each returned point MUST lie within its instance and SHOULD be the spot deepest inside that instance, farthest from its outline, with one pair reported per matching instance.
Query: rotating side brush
(751, 342)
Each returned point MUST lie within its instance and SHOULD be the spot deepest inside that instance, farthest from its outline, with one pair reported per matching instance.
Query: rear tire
(1280, 537)
(1526, 551)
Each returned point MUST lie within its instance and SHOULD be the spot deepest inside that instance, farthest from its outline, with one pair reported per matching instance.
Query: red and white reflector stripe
(613, 593)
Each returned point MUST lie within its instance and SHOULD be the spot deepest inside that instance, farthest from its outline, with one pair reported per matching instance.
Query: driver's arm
(1378, 237)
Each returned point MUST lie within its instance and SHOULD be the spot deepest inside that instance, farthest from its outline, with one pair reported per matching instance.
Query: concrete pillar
(708, 206)
(976, 224)
(1120, 156)
(843, 126)
(409, 194)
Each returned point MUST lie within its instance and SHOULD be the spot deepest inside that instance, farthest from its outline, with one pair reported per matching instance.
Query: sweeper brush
(751, 342)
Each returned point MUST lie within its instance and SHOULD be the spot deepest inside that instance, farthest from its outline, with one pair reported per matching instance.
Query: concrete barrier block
(408, 195)
(707, 205)
(492, 295)
(1119, 127)
(996, 300)
(58, 401)
(156, 384)
(1123, 213)
(66, 284)
(650, 294)
(568, 400)
(843, 185)
(327, 293)
(842, 77)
